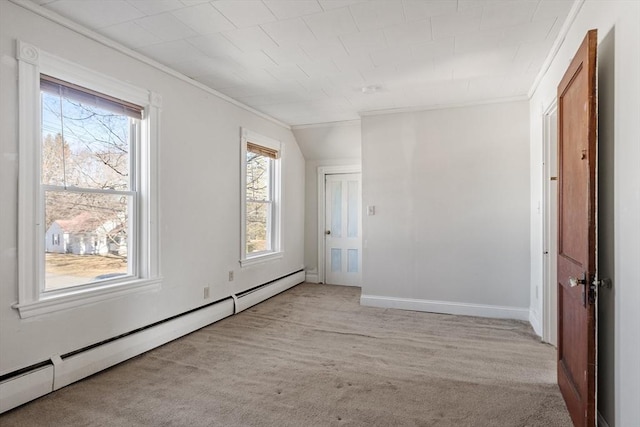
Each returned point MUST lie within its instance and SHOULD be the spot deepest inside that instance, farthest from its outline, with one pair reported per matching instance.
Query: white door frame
(323, 171)
(549, 284)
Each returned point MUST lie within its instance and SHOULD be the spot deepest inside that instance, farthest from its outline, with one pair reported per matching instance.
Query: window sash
(46, 187)
(131, 245)
(270, 232)
(270, 201)
(269, 196)
(91, 98)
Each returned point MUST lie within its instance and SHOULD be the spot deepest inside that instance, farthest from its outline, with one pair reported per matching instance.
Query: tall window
(261, 210)
(88, 206)
(88, 178)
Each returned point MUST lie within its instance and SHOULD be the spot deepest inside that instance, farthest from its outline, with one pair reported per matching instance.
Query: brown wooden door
(577, 135)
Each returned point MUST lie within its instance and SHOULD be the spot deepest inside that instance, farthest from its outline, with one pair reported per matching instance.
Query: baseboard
(534, 319)
(264, 292)
(311, 277)
(23, 388)
(71, 369)
(446, 307)
(601, 421)
(64, 370)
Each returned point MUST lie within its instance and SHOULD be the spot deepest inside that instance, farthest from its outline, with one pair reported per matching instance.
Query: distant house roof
(83, 223)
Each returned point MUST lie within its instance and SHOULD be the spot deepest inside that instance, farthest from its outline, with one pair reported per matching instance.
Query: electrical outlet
(206, 292)
(231, 275)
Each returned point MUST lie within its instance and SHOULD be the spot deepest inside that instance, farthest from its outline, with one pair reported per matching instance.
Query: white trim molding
(323, 171)
(341, 123)
(534, 320)
(548, 292)
(311, 276)
(447, 307)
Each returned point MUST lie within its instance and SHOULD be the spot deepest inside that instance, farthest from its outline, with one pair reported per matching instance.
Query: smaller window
(262, 157)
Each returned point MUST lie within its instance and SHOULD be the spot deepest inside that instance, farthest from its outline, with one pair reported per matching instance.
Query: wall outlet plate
(231, 275)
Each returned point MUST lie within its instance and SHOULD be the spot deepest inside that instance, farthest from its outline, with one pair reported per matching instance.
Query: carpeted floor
(313, 356)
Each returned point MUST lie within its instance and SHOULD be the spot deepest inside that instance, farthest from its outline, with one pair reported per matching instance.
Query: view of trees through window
(259, 202)
(88, 188)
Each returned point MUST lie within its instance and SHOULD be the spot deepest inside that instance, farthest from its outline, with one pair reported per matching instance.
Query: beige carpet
(313, 356)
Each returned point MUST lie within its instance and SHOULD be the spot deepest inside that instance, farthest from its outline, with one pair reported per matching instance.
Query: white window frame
(32, 300)
(275, 232)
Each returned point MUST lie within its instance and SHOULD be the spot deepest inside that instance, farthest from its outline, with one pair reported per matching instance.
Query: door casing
(549, 291)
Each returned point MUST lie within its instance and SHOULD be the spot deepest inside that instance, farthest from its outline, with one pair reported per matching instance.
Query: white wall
(325, 142)
(199, 199)
(451, 193)
(332, 144)
(619, 40)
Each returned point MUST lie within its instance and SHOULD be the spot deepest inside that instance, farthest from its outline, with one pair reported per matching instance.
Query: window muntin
(88, 183)
(261, 193)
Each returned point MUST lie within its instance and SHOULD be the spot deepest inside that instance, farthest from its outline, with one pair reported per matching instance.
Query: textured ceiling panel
(314, 61)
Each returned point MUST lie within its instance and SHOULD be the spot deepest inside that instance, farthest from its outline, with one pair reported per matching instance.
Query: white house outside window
(262, 159)
(88, 223)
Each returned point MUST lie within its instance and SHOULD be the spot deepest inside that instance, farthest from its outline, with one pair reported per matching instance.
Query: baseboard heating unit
(258, 294)
(19, 387)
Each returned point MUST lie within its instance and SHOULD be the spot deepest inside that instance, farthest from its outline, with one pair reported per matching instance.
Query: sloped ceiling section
(316, 61)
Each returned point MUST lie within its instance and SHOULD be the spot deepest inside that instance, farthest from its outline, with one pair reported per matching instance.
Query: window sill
(259, 259)
(77, 298)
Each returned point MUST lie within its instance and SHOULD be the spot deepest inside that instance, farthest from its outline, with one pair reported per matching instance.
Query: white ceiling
(306, 61)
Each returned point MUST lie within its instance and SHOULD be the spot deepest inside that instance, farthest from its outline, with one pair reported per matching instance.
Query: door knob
(573, 282)
(327, 232)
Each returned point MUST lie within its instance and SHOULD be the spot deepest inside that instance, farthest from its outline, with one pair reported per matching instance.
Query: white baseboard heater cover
(250, 298)
(62, 371)
(71, 369)
(30, 385)
(23, 388)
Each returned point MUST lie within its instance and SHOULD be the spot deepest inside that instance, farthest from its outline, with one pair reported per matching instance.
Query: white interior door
(343, 229)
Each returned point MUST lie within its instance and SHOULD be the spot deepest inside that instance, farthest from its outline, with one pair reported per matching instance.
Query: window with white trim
(88, 179)
(88, 206)
(261, 195)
